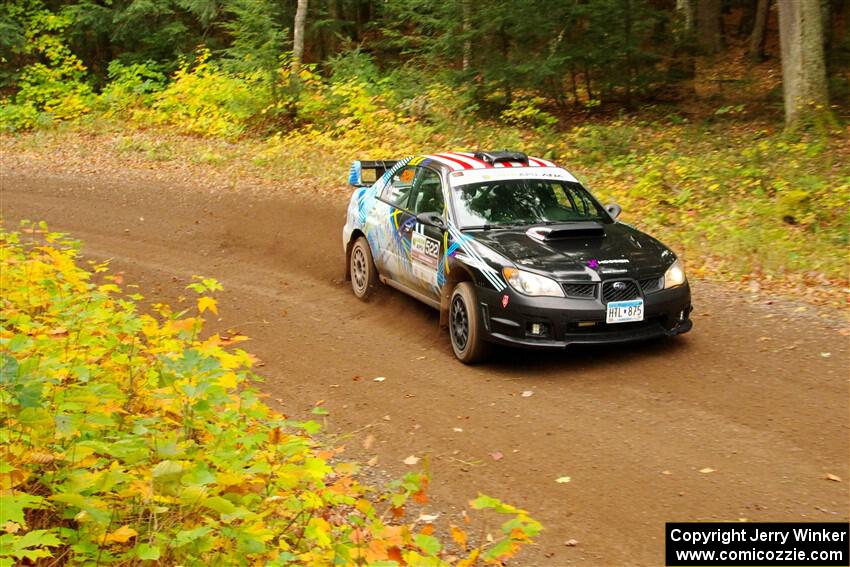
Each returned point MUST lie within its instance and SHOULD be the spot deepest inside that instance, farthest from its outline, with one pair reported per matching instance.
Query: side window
(398, 189)
(427, 194)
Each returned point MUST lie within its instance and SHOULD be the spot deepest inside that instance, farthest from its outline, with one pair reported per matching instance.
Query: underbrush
(132, 437)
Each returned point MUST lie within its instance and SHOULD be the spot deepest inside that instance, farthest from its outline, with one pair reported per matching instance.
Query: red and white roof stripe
(458, 161)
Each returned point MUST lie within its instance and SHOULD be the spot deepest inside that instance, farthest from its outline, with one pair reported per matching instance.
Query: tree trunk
(708, 25)
(298, 35)
(333, 14)
(686, 8)
(466, 16)
(574, 85)
(683, 65)
(803, 69)
(758, 35)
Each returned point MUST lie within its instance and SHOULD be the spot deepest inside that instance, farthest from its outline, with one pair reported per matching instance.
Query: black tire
(466, 328)
(361, 269)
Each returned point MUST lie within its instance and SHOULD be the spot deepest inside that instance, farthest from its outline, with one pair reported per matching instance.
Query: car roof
(460, 161)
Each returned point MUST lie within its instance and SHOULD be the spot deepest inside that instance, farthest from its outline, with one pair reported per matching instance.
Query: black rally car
(512, 250)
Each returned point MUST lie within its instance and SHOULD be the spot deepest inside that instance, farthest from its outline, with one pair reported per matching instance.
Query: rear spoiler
(366, 173)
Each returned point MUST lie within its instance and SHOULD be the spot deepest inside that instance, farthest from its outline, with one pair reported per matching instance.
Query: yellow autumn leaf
(471, 560)
(121, 535)
(205, 303)
(228, 380)
(186, 324)
(459, 536)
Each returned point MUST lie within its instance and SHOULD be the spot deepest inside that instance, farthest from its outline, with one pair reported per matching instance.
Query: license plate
(625, 311)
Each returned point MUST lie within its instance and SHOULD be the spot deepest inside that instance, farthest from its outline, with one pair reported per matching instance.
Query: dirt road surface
(757, 392)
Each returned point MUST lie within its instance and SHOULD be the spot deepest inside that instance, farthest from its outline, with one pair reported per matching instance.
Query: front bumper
(566, 321)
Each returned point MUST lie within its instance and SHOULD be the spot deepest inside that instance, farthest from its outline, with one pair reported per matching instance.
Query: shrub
(130, 86)
(526, 112)
(203, 99)
(53, 88)
(131, 437)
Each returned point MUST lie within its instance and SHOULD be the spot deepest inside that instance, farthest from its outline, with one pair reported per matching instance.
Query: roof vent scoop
(503, 156)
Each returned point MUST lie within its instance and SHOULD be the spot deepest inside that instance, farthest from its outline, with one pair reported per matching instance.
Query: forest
(533, 63)
(132, 432)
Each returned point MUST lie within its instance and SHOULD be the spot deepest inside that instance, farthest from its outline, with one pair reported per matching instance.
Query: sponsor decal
(593, 264)
(505, 300)
(425, 250)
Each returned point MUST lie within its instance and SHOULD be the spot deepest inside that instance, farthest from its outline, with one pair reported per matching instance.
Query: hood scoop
(585, 229)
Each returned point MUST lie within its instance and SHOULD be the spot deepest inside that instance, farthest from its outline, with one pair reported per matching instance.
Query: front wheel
(361, 268)
(465, 325)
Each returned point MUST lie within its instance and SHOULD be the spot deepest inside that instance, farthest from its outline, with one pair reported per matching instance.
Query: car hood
(580, 251)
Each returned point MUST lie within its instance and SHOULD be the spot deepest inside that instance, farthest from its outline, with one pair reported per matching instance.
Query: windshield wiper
(480, 227)
(567, 221)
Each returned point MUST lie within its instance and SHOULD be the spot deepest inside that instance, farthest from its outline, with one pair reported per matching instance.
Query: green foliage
(604, 141)
(527, 112)
(130, 437)
(53, 84)
(130, 86)
(257, 36)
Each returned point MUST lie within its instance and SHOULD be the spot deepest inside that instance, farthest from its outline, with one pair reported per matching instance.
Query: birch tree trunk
(686, 8)
(298, 36)
(803, 68)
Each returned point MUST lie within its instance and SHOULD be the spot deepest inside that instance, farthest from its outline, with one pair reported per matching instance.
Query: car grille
(580, 290)
(610, 294)
(650, 284)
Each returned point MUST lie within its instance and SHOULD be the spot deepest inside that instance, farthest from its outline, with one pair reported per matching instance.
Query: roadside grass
(739, 200)
(136, 438)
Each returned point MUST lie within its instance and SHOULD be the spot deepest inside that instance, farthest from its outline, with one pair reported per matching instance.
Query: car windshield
(523, 202)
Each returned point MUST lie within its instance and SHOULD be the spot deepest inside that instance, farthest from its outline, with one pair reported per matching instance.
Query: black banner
(753, 543)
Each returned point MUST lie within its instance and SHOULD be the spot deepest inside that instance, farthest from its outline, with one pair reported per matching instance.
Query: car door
(389, 226)
(425, 241)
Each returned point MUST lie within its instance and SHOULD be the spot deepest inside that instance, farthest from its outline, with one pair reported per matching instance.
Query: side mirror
(614, 210)
(432, 219)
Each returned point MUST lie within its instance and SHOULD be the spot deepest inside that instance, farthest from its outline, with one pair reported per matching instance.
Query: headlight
(675, 275)
(532, 284)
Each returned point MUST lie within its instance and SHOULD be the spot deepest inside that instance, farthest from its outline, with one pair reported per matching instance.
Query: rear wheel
(465, 325)
(361, 268)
